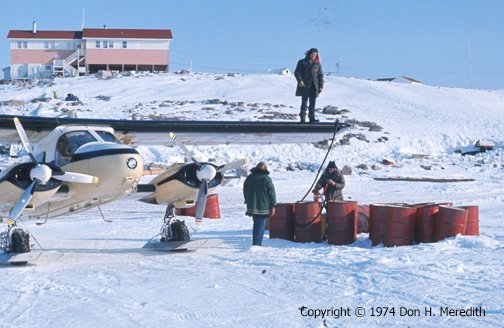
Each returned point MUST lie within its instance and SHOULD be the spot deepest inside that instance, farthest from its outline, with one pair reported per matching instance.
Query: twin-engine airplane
(78, 164)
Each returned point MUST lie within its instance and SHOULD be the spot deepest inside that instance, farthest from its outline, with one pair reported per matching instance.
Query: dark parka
(259, 193)
(309, 72)
(331, 192)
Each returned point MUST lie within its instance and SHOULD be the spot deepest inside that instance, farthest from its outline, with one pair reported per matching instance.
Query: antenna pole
(338, 61)
(82, 27)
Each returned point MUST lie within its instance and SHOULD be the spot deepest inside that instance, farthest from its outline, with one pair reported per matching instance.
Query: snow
(105, 279)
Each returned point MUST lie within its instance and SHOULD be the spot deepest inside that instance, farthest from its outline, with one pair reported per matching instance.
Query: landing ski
(29, 257)
(180, 246)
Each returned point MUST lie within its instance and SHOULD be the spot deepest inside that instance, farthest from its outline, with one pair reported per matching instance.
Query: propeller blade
(23, 201)
(201, 202)
(196, 162)
(233, 165)
(75, 177)
(24, 139)
(188, 154)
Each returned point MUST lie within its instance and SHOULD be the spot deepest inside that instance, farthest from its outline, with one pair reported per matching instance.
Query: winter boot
(312, 118)
(302, 113)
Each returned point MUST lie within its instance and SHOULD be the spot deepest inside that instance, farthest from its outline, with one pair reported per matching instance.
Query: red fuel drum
(399, 226)
(450, 222)
(377, 216)
(281, 225)
(426, 217)
(212, 209)
(418, 205)
(342, 222)
(307, 222)
(472, 227)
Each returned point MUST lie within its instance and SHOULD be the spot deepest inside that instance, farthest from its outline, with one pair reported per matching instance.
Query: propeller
(40, 174)
(233, 165)
(23, 201)
(204, 173)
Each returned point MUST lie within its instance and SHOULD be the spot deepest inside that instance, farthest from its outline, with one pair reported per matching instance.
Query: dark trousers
(258, 230)
(304, 102)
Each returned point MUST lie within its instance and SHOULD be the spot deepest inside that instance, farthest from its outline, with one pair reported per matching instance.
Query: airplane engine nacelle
(180, 184)
(15, 182)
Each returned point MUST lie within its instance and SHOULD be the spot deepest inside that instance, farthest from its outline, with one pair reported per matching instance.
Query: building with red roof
(40, 54)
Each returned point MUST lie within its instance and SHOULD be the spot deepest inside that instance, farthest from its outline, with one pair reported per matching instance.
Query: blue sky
(425, 39)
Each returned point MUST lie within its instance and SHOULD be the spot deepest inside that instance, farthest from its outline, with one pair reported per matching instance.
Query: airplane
(79, 164)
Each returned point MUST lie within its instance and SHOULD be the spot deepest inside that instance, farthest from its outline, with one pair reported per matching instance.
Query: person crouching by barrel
(332, 182)
(260, 198)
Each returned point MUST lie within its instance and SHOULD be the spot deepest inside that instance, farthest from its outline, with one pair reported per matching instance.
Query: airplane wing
(187, 132)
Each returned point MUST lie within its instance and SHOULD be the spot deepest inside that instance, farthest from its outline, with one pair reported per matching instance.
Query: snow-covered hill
(104, 280)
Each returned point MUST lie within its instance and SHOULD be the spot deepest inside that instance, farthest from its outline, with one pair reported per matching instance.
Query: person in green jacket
(260, 198)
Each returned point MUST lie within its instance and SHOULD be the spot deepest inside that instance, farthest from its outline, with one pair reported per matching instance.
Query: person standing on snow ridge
(333, 182)
(310, 82)
(260, 198)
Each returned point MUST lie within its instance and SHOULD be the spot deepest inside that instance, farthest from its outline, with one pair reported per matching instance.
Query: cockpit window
(68, 143)
(107, 136)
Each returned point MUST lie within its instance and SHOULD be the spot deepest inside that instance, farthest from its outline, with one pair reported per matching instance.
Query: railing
(71, 70)
(70, 59)
(64, 65)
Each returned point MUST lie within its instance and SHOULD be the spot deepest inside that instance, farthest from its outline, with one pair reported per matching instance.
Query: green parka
(259, 193)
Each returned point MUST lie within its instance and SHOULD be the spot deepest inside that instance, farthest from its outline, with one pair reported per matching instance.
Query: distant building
(400, 79)
(39, 54)
(280, 71)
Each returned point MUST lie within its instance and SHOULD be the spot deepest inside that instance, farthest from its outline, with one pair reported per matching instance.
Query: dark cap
(331, 165)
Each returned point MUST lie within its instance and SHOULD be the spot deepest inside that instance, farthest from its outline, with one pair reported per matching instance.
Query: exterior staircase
(64, 66)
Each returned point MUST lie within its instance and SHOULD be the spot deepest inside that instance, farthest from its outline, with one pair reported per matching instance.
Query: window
(48, 67)
(125, 44)
(97, 44)
(49, 45)
(22, 44)
(111, 44)
(107, 136)
(69, 143)
(105, 44)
